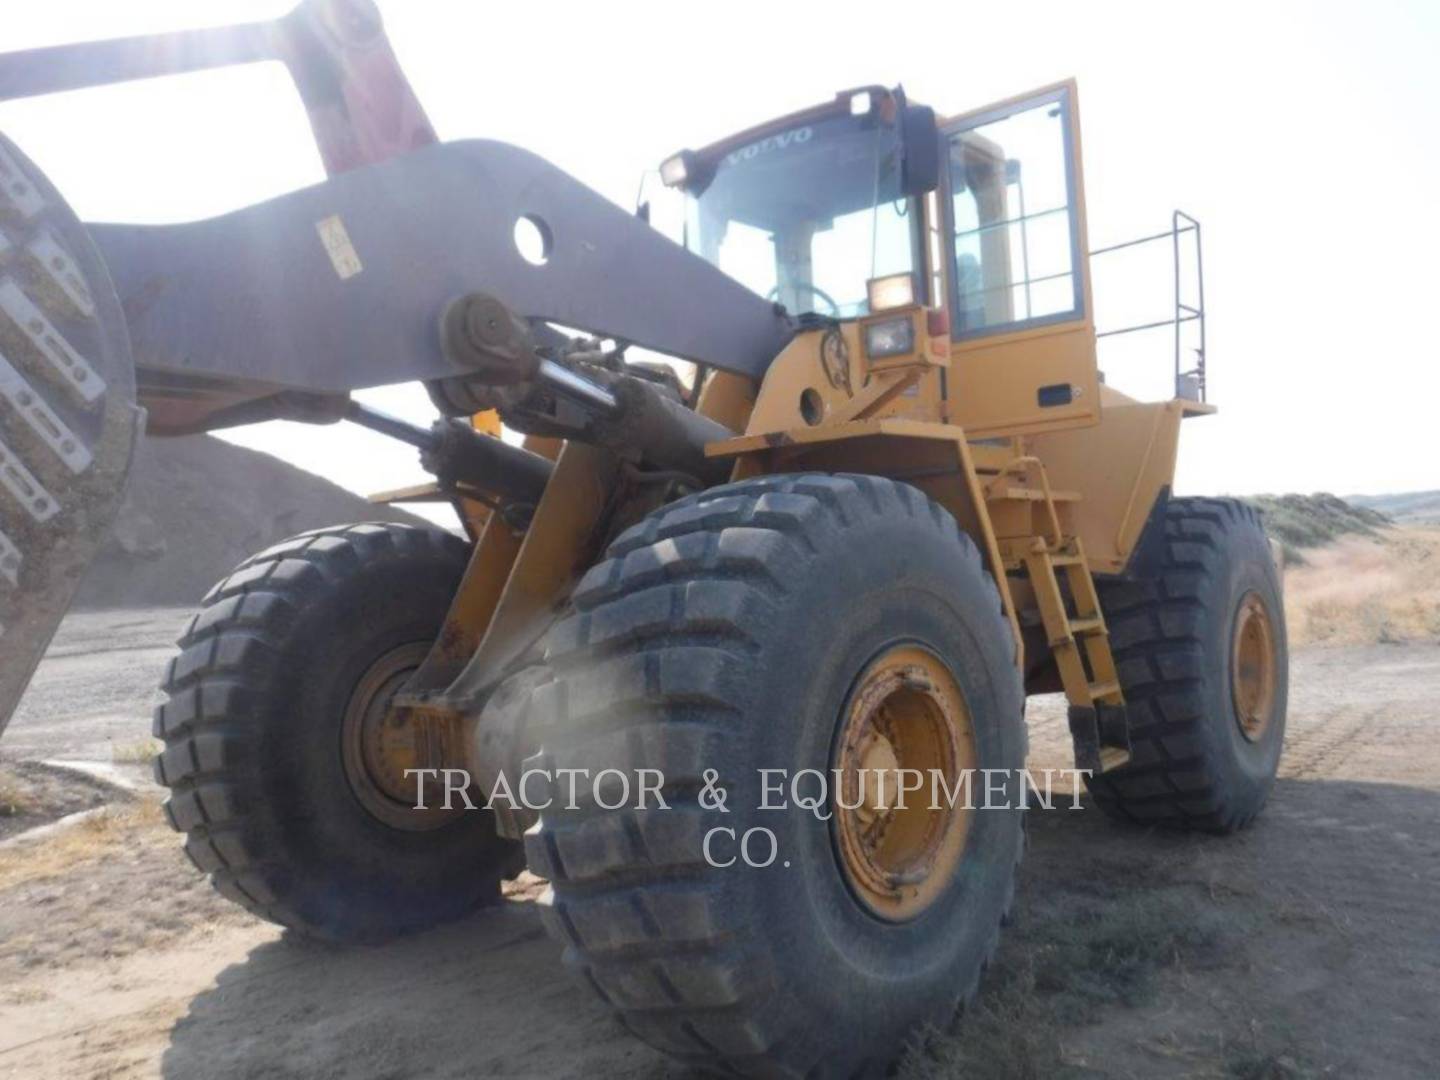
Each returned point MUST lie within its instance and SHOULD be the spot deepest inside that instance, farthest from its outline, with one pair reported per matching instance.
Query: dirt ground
(1307, 946)
(33, 793)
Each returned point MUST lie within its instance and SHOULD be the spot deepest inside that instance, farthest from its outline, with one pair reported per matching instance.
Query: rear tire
(730, 631)
(254, 729)
(1202, 758)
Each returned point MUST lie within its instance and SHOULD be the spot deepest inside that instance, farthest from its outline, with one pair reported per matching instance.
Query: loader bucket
(68, 418)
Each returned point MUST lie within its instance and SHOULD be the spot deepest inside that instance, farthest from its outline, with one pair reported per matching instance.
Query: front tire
(763, 625)
(263, 758)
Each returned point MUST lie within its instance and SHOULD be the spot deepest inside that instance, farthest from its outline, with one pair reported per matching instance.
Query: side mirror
(920, 136)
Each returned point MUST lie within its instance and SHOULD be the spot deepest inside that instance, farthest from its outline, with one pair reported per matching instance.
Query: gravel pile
(197, 506)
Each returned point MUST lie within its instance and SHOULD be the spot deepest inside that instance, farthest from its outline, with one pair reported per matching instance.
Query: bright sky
(1303, 136)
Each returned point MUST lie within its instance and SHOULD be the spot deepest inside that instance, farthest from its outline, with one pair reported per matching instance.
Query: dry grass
(14, 798)
(1367, 590)
(93, 838)
(136, 753)
(24, 995)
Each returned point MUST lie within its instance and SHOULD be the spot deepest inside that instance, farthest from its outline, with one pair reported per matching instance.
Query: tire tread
(212, 689)
(629, 895)
(1157, 634)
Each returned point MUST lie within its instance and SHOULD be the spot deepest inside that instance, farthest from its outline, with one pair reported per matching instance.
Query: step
(1103, 690)
(1026, 494)
(1113, 757)
(1080, 628)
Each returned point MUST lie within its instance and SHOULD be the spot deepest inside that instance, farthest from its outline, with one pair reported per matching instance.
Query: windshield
(807, 216)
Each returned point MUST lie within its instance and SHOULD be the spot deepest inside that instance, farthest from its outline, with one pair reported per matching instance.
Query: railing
(1189, 382)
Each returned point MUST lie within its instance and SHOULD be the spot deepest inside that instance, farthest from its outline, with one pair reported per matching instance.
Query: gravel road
(95, 687)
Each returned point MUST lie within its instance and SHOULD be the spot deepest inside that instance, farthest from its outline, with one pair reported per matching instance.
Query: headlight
(890, 337)
(886, 293)
(676, 170)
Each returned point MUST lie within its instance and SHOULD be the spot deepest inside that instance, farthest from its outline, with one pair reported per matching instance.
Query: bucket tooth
(74, 370)
(21, 483)
(57, 267)
(17, 191)
(10, 559)
(42, 419)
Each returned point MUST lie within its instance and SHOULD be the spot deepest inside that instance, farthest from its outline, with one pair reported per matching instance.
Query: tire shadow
(1307, 944)
(487, 996)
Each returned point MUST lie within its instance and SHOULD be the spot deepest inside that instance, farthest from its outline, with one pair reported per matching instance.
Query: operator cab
(859, 210)
(809, 209)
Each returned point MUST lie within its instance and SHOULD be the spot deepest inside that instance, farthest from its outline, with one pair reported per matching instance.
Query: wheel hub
(1252, 667)
(899, 847)
(880, 763)
(381, 745)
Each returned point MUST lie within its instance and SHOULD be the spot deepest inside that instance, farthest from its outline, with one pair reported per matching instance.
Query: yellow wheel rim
(1252, 667)
(906, 713)
(379, 745)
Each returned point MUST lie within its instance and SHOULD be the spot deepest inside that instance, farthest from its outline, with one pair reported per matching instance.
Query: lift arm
(360, 104)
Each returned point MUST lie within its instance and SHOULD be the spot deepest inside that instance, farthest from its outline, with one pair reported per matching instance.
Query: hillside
(1355, 575)
(1300, 522)
(197, 506)
(1407, 508)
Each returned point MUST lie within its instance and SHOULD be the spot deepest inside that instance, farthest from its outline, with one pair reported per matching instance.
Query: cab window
(1013, 215)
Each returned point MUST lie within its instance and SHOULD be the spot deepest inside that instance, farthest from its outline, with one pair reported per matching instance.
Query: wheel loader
(877, 495)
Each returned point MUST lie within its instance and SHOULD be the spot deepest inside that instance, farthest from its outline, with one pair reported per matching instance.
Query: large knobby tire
(726, 632)
(1205, 737)
(254, 731)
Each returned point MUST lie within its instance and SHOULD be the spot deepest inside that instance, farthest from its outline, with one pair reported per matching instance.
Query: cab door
(1014, 267)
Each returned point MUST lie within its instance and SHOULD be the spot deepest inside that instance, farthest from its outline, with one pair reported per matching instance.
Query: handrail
(1022, 465)
(1189, 383)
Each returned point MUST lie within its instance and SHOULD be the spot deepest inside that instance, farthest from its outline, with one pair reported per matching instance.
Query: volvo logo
(794, 137)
